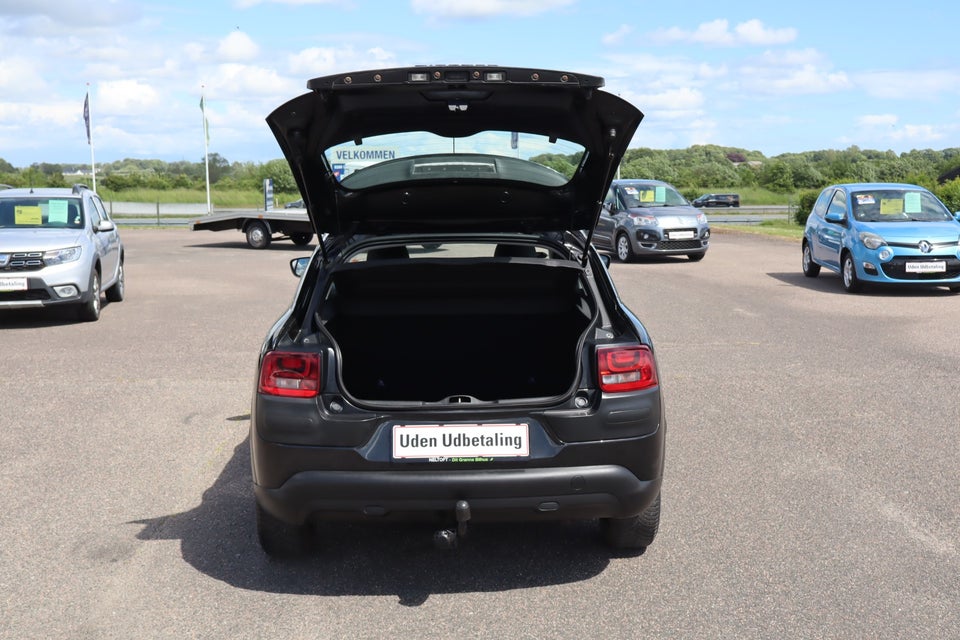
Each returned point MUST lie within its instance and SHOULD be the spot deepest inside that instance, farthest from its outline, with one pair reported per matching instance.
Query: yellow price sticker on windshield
(27, 215)
(891, 205)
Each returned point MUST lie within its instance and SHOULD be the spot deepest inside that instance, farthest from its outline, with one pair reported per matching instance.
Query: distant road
(169, 214)
(144, 216)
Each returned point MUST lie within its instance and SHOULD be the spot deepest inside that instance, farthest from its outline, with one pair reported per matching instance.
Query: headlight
(701, 218)
(871, 240)
(644, 220)
(59, 256)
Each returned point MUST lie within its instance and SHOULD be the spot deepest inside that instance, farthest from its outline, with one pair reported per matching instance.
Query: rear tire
(810, 268)
(635, 533)
(279, 539)
(258, 235)
(301, 239)
(89, 311)
(116, 292)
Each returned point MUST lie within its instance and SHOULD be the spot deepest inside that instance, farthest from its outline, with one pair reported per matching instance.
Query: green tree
(279, 171)
(776, 176)
(218, 166)
(949, 193)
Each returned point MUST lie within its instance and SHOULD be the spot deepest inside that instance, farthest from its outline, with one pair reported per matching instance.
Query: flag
(86, 115)
(206, 125)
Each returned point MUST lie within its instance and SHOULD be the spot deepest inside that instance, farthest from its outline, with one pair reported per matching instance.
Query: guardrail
(162, 214)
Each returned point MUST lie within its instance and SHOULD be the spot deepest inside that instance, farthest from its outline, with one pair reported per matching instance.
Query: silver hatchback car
(58, 246)
(650, 218)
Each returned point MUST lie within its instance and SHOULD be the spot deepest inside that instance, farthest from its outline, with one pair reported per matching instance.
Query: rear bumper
(601, 491)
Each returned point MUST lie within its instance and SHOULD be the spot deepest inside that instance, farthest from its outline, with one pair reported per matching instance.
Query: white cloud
(128, 97)
(77, 15)
(917, 133)
(245, 82)
(237, 47)
(909, 85)
(617, 36)
(717, 33)
(879, 120)
(682, 100)
(315, 61)
(753, 32)
(20, 75)
(320, 61)
(792, 73)
(246, 4)
(651, 74)
(486, 8)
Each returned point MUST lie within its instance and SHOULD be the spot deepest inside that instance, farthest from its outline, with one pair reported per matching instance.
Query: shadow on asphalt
(218, 538)
(277, 245)
(54, 316)
(829, 282)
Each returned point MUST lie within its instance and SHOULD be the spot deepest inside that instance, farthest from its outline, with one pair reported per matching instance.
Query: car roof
(63, 192)
(638, 181)
(454, 101)
(869, 186)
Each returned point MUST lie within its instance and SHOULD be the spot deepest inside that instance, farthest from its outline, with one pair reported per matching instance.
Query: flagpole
(206, 145)
(86, 117)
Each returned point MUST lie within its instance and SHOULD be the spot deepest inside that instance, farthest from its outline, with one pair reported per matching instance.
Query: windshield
(40, 213)
(650, 195)
(488, 155)
(898, 205)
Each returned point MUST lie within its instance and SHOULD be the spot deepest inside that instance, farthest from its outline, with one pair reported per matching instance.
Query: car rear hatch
(349, 144)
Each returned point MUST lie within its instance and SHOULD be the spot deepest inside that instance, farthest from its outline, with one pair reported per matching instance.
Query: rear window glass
(451, 250)
(38, 213)
(488, 155)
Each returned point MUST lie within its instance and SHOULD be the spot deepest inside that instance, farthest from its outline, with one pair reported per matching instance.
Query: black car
(456, 350)
(717, 200)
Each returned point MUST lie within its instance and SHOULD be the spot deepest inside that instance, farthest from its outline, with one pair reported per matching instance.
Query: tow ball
(445, 539)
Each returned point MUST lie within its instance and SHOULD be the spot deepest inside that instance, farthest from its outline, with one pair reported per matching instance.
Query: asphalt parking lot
(812, 487)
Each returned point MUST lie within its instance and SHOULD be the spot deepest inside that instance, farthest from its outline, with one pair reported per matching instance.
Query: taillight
(295, 375)
(626, 368)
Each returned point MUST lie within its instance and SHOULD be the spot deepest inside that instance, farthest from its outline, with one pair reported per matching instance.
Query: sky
(775, 77)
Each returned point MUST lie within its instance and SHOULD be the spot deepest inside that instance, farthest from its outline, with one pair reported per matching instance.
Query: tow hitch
(445, 539)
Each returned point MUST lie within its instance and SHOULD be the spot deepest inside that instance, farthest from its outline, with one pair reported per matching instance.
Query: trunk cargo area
(428, 330)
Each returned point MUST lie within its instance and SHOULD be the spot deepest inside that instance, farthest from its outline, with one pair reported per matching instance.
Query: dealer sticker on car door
(446, 441)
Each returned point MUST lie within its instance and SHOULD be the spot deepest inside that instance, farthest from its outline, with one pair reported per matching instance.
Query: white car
(58, 246)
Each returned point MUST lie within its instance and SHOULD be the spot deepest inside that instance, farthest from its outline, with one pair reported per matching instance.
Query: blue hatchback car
(883, 233)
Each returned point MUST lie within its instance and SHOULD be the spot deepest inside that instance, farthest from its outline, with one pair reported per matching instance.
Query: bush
(805, 201)
(949, 194)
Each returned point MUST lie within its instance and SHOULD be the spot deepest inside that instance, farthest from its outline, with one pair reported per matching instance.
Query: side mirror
(835, 217)
(105, 225)
(299, 265)
(608, 208)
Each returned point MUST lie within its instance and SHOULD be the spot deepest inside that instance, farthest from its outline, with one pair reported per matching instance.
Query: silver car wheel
(624, 251)
(118, 290)
(810, 268)
(849, 274)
